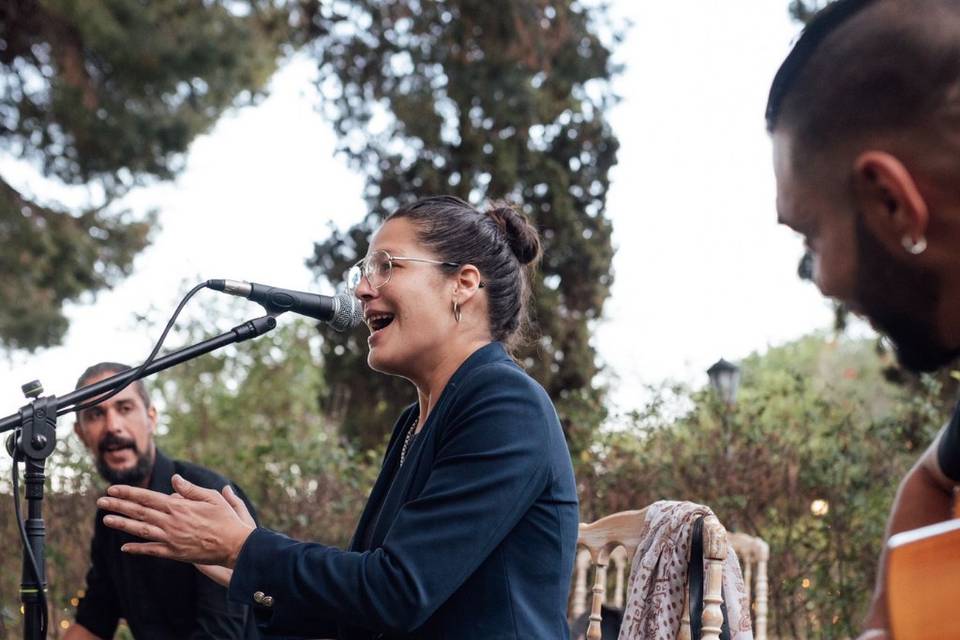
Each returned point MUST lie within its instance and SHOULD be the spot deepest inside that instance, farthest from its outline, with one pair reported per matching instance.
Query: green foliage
(484, 100)
(814, 420)
(804, 10)
(50, 257)
(109, 95)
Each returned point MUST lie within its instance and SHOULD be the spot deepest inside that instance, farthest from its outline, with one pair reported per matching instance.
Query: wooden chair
(622, 530)
(754, 554)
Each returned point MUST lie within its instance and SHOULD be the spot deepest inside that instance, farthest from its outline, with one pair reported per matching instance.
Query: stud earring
(914, 247)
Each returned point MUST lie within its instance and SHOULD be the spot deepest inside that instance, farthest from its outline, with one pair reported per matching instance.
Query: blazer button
(267, 601)
(258, 597)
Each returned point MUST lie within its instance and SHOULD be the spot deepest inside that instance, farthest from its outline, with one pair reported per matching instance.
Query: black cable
(139, 370)
(41, 593)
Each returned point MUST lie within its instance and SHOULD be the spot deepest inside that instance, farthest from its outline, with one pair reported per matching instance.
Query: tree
(803, 10)
(109, 95)
(484, 100)
(814, 420)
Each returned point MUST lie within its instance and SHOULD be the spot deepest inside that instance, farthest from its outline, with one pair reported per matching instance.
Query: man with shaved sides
(159, 599)
(864, 114)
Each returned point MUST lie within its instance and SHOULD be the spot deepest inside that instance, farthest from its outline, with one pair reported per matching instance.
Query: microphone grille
(349, 312)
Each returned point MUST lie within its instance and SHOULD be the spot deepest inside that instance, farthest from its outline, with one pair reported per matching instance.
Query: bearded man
(159, 599)
(865, 119)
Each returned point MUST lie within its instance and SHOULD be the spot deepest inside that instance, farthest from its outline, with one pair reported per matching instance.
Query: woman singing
(470, 530)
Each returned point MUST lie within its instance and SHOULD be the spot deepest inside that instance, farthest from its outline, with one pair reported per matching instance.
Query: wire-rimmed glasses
(378, 267)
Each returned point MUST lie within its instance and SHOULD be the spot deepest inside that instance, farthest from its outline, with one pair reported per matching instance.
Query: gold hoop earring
(456, 310)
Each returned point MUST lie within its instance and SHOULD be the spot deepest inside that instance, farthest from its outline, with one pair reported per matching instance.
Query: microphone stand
(35, 437)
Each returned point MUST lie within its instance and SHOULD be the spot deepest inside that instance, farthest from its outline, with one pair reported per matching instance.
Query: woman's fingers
(145, 497)
(134, 510)
(194, 524)
(238, 506)
(191, 491)
(137, 528)
(155, 549)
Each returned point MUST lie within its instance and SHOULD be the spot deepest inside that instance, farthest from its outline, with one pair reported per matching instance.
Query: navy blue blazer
(473, 537)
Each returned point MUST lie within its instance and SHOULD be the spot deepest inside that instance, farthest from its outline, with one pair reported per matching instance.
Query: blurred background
(145, 147)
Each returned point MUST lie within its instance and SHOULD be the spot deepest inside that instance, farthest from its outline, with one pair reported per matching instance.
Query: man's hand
(198, 525)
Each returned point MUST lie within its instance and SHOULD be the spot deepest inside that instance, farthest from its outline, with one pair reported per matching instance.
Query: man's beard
(135, 475)
(902, 301)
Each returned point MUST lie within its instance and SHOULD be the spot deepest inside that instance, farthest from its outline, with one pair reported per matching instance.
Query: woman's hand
(222, 575)
(198, 525)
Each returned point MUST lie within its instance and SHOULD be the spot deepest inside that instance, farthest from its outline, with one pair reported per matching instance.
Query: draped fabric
(658, 577)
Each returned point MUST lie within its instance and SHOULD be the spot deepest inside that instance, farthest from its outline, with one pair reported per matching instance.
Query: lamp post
(725, 380)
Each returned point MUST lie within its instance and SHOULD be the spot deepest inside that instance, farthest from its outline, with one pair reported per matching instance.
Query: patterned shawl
(658, 578)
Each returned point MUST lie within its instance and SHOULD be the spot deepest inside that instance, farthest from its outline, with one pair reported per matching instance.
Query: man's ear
(78, 431)
(889, 199)
(152, 418)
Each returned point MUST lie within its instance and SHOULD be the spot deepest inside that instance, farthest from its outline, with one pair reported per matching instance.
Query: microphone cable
(146, 363)
(34, 566)
(41, 590)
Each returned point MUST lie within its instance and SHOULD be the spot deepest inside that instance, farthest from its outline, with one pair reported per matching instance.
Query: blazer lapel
(382, 485)
(395, 483)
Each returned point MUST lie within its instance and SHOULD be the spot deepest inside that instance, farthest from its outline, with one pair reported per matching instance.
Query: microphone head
(348, 312)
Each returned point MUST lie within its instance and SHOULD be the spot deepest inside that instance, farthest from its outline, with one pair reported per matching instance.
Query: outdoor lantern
(725, 378)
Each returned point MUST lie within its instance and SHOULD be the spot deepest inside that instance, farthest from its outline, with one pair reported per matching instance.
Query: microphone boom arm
(245, 331)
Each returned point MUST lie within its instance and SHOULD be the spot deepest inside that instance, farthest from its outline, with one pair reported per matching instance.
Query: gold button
(267, 601)
(258, 597)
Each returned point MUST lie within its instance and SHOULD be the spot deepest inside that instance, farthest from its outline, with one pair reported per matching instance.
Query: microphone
(342, 311)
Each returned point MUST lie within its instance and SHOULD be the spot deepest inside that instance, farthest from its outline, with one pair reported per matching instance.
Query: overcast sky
(702, 270)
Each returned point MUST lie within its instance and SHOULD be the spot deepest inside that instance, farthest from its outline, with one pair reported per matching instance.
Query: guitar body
(923, 583)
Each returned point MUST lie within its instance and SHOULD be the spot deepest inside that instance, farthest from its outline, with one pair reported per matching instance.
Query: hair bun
(522, 237)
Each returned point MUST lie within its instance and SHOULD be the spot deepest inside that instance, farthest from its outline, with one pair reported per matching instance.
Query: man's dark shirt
(948, 452)
(160, 599)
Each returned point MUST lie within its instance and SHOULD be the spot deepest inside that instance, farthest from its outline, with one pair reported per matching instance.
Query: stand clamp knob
(32, 389)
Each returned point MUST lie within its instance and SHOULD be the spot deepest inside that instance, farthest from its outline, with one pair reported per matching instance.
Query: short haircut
(868, 67)
(104, 368)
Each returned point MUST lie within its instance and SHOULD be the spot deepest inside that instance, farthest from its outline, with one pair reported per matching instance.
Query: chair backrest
(622, 530)
(754, 554)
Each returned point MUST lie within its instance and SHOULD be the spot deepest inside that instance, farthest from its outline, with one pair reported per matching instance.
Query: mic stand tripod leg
(31, 585)
(36, 442)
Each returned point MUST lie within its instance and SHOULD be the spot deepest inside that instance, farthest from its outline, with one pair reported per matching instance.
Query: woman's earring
(456, 310)
(914, 247)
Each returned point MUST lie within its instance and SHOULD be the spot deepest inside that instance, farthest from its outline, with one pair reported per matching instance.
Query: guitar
(923, 582)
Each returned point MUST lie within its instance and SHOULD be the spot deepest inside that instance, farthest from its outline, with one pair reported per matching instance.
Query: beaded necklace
(408, 438)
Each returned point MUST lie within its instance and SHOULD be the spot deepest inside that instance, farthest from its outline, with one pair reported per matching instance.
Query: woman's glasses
(378, 267)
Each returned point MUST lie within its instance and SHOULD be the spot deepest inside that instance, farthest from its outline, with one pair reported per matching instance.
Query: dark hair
(500, 243)
(103, 368)
(867, 66)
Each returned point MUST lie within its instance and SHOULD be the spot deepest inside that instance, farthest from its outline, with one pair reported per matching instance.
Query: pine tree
(107, 94)
(484, 100)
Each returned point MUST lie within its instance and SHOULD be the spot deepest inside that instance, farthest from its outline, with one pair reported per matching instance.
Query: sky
(702, 269)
